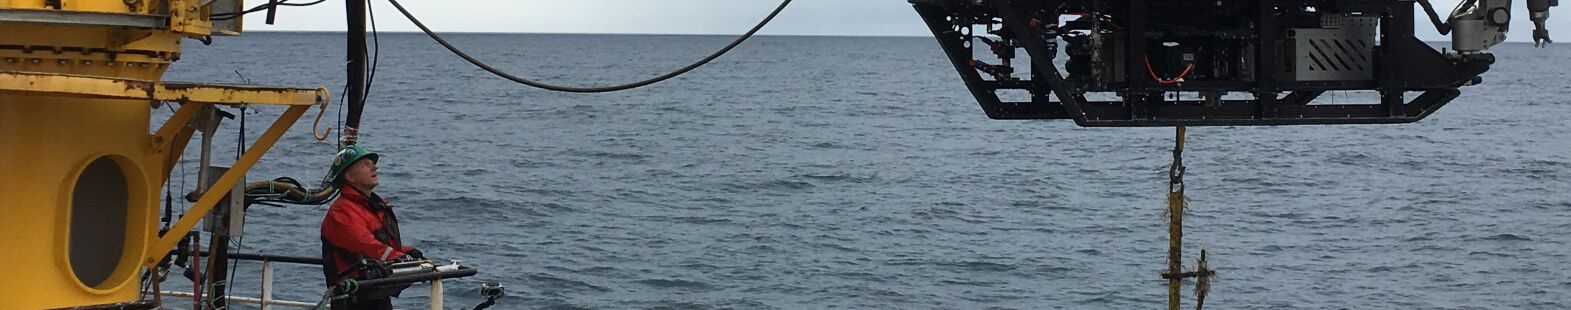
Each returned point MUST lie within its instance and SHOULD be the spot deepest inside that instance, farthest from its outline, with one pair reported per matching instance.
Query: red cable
(1179, 79)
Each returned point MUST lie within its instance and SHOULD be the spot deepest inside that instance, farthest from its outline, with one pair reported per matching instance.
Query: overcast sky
(804, 17)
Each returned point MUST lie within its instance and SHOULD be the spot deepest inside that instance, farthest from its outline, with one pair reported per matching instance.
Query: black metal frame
(1402, 64)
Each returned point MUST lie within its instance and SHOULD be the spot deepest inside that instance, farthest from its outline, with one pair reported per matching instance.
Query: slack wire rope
(601, 89)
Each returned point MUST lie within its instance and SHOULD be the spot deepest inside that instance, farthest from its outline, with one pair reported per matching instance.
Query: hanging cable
(169, 204)
(1166, 81)
(169, 186)
(239, 242)
(375, 52)
(259, 8)
(521, 80)
(340, 110)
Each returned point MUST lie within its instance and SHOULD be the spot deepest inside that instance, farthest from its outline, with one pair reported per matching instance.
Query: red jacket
(358, 227)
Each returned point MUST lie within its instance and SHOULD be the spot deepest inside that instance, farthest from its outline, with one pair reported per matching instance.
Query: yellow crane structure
(81, 161)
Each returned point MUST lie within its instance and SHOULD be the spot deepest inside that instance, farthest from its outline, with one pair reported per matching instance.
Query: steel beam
(79, 18)
(209, 199)
(61, 85)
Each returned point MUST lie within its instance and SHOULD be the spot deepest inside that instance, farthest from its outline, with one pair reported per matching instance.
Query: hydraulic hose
(284, 190)
(570, 89)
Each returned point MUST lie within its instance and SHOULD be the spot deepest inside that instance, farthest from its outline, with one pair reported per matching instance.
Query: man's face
(362, 175)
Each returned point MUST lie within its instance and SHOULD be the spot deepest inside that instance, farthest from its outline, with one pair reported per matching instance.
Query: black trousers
(374, 304)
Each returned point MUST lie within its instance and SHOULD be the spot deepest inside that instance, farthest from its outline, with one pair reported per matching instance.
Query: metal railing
(433, 273)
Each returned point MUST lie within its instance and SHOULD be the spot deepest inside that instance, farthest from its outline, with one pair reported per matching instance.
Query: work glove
(414, 253)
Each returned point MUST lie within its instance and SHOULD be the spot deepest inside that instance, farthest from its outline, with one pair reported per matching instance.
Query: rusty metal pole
(1175, 224)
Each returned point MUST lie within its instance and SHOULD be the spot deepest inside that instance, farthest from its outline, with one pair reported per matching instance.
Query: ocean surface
(858, 173)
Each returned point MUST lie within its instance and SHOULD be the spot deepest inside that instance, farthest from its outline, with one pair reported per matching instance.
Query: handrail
(249, 300)
(270, 258)
(267, 282)
(266, 300)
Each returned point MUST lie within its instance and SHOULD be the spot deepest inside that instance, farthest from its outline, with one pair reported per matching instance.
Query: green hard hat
(346, 157)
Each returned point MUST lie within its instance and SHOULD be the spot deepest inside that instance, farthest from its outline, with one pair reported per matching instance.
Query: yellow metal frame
(61, 85)
(176, 132)
(61, 107)
(187, 221)
(188, 17)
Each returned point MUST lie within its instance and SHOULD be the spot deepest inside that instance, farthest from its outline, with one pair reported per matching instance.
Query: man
(360, 225)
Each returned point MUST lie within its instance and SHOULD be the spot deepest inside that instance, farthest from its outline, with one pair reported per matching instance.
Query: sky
(720, 17)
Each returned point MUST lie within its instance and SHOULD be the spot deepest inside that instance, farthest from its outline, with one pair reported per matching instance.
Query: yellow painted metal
(89, 6)
(96, 6)
(22, 4)
(188, 17)
(177, 123)
(185, 16)
(121, 88)
(171, 139)
(111, 52)
(227, 180)
(81, 88)
(236, 94)
(45, 39)
(45, 143)
(39, 84)
(42, 151)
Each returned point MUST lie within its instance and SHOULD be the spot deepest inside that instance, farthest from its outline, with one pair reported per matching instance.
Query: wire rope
(600, 89)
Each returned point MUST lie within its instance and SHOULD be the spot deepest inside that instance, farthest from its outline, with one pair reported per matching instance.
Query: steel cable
(601, 89)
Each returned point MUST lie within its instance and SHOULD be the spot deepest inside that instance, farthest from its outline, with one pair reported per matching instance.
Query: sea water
(858, 172)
